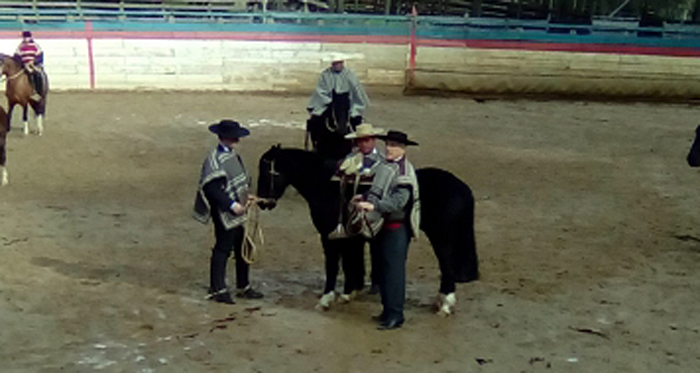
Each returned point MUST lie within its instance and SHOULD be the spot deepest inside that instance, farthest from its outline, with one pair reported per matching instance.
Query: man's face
(229, 141)
(27, 39)
(395, 150)
(366, 144)
(338, 66)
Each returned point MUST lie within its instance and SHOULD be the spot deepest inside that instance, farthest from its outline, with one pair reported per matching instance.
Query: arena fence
(112, 46)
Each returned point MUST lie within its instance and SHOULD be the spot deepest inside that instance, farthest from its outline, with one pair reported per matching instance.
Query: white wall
(209, 64)
(294, 66)
(66, 61)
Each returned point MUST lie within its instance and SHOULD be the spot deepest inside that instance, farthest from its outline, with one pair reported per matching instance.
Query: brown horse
(19, 91)
(3, 143)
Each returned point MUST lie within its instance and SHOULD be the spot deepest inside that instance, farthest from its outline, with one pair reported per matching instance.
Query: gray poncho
(394, 186)
(227, 165)
(345, 81)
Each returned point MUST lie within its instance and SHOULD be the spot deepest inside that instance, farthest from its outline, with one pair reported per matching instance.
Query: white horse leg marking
(324, 304)
(25, 128)
(347, 298)
(446, 304)
(5, 179)
(40, 125)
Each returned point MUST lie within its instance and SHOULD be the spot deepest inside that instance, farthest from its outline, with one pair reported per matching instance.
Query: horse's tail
(465, 261)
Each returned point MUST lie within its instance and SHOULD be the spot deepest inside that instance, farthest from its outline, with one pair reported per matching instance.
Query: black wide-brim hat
(229, 128)
(397, 136)
(26, 34)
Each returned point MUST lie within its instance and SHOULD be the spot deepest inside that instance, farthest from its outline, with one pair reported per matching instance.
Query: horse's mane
(14, 58)
(307, 163)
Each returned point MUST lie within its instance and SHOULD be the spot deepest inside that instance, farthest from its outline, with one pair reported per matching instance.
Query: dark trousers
(393, 247)
(36, 81)
(376, 261)
(227, 241)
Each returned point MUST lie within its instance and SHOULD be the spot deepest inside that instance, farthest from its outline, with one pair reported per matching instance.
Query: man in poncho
(223, 197)
(337, 104)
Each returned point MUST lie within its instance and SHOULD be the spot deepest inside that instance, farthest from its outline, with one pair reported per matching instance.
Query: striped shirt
(28, 52)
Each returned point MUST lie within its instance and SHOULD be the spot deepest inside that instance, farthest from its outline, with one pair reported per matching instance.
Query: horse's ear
(278, 146)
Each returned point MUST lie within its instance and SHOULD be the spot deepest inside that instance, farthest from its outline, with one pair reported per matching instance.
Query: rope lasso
(253, 235)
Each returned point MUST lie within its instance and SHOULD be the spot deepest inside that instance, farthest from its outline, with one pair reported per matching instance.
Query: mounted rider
(339, 97)
(32, 57)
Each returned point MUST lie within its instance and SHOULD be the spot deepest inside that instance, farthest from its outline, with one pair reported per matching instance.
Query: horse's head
(8, 64)
(271, 182)
(3, 65)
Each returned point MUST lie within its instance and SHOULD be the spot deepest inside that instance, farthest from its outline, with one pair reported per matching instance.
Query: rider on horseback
(32, 57)
(338, 93)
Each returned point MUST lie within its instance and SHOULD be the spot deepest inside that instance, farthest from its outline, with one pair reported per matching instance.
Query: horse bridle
(14, 76)
(273, 172)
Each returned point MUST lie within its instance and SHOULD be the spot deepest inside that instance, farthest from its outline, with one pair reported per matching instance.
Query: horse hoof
(347, 298)
(445, 304)
(324, 304)
(444, 311)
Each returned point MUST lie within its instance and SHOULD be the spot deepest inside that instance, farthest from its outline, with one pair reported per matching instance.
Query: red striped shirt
(28, 51)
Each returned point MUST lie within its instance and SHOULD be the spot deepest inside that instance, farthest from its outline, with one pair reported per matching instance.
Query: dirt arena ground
(586, 222)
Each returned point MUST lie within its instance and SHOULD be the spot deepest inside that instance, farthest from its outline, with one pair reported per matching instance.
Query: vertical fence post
(91, 59)
(413, 48)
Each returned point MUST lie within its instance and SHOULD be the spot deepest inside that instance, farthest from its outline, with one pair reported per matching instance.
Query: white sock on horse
(40, 125)
(346, 298)
(5, 179)
(25, 128)
(446, 304)
(324, 304)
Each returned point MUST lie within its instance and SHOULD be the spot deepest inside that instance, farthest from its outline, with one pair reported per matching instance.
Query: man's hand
(365, 206)
(238, 209)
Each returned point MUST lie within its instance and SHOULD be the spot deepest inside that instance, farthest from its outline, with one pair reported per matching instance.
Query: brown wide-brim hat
(397, 136)
(229, 129)
(364, 130)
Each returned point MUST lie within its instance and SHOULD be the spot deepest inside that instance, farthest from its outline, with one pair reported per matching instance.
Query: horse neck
(306, 174)
(12, 67)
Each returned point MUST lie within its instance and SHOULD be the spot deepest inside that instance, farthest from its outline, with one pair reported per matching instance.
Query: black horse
(327, 131)
(447, 218)
(694, 154)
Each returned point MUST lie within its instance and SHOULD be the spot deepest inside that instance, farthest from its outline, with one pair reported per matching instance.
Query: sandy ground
(586, 215)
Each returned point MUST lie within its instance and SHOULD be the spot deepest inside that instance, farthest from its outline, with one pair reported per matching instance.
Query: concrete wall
(66, 61)
(210, 64)
(235, 65)
(242, 65)
(556, 73)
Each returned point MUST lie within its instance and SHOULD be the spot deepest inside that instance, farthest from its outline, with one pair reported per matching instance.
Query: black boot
(38, 83)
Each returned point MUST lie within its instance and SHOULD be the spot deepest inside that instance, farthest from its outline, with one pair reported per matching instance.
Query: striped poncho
(222, 163)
